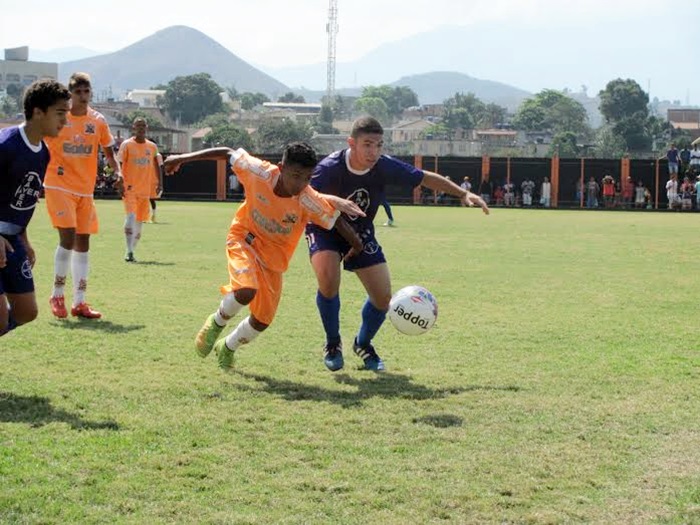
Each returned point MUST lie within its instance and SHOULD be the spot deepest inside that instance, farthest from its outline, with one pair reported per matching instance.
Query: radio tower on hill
(332, 30)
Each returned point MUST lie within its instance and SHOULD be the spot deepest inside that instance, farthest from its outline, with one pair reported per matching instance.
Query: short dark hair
(366, 125)
(78, 79)
(42, 94)
(300, 154)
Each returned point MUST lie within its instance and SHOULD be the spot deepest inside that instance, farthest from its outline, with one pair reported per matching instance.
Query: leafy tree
(232, 92)
(492, 116)
(343, 106)
(554, 111)
(564, 145)
(374, 107)
(439, 131)
(214, 121)
(324, 121)
(463, 111)
(229, 135)
(191, 98)
(396, 98)
(622, 99)
(608, 144)
(128, 119)
(291, 97)
(250, 100)
(9, 106)
(273, 135)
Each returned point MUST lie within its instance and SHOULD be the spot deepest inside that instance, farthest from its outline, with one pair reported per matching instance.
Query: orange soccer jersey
(73, 165)
(269, 224)
(138, 162)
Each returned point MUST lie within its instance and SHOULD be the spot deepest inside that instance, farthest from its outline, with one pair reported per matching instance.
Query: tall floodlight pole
(332, 30)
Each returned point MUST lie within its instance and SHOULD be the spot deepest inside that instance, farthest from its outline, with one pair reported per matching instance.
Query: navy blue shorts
(320, 240)
(16, 276)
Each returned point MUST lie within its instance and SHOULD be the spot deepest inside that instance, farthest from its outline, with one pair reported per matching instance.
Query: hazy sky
(280, 32)
(277, 33)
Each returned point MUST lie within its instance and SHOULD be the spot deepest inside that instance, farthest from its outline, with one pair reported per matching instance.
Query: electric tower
(332, 30)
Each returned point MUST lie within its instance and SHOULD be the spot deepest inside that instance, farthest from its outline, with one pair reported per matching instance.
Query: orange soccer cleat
(84, 310)
(58, 307)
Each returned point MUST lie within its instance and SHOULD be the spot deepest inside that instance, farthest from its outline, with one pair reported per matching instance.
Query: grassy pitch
(559, 385)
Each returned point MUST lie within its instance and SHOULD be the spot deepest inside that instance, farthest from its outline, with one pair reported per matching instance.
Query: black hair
(42, 94)
(300, 154)
(366, 125)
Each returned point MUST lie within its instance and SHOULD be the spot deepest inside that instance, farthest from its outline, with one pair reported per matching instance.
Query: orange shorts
(68, 210)
(138, 205)
(245, 271)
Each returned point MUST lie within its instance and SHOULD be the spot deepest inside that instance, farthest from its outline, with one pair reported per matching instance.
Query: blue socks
(372, 319)
(330, 316)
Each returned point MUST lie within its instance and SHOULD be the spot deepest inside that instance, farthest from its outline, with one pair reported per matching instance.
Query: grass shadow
(440, 420)
(153, 263)
(386, 385)
(38, 411)
(98, 326)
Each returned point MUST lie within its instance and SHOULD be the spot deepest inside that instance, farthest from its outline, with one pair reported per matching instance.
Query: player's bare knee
(245, 295)
(26, 315)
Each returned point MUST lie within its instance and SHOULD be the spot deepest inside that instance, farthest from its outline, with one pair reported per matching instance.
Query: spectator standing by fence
(546, 193)
(673, 159)
(672, 191)
(592, 190)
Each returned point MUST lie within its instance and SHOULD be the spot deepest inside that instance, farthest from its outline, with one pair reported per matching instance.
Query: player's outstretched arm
(344, 206)
(346, 232)
(173, 162)
(437, 182)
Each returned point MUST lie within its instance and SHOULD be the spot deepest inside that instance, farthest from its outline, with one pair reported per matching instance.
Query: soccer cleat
(390, 222)
(58, 307)
(333, 356)
(369, 356)
(129, 257)
(224, 355)
(207, 336)
(85, 311)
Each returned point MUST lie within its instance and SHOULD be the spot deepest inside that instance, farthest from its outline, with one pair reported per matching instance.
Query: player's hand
(119, 186)
(172, 164)
(472, 199)
(345, 206)
(355, 249)
(31, 254)
(5, 248)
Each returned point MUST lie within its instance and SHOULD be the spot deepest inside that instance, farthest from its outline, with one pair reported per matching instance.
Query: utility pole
(332, 30)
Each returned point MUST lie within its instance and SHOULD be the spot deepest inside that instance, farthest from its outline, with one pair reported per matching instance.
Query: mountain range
(181, 50)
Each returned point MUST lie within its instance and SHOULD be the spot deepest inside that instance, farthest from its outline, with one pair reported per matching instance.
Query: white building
(145, 98)
(18, 70)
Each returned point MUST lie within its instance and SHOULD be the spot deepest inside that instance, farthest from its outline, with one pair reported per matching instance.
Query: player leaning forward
(23, 160)
(360, 174)
(263, 236)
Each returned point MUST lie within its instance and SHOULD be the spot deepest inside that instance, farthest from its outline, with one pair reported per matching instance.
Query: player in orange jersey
(263, 236)
(69, 185)
(138, 157)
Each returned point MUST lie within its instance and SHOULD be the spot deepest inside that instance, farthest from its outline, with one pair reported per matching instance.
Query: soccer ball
(413, 310)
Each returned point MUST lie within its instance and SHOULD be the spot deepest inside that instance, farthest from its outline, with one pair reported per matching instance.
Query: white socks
(138, 226)
(129, 224)
(243, 334)
(81, 268)
(227, 309)
(61, 262)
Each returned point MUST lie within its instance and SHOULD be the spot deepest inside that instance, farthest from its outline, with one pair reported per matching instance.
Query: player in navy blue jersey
(360, 174)
(23, 160)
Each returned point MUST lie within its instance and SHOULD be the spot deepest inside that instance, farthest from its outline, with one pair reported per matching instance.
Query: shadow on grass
(154, 263)
(386, 385)
(440, 420)
(98, 326)
(37, 411)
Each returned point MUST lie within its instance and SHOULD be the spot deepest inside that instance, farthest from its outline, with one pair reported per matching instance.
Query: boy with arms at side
(69, 186)
(139, 160)
(262, 238)
(23, 161)
(360, 174)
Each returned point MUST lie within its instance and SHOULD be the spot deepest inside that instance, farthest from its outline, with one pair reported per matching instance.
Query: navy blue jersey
(22, 169)
(333, 176)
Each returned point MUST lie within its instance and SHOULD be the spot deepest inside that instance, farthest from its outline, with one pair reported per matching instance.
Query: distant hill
(61, 54)
(171, 52)
(436, 87)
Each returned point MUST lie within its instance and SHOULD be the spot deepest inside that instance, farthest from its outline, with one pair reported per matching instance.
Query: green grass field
(559, 385)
